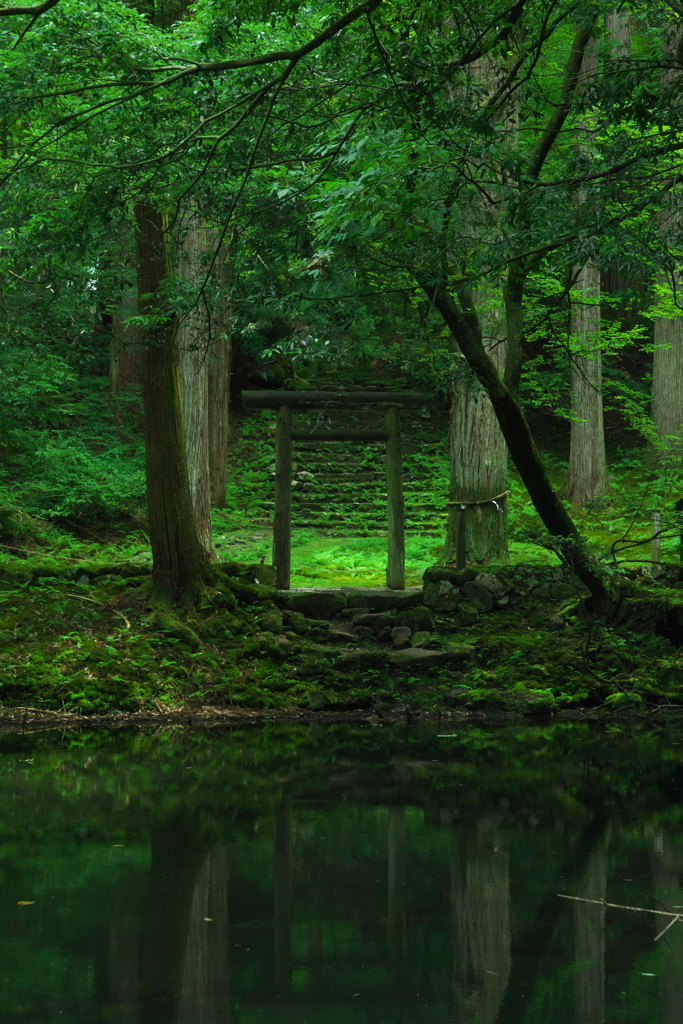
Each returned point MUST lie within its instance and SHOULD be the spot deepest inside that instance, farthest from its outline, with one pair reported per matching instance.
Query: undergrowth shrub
(75, 456)
(72, 482)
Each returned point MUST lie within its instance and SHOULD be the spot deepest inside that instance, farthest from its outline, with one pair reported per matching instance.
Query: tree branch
(559, 115)
(292, 56)
(35, 11)
(510, 17)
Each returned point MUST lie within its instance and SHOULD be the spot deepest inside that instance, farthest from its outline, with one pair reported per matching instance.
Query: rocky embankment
(85, 639)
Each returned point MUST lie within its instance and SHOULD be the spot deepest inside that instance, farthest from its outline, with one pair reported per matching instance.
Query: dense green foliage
(352, 166)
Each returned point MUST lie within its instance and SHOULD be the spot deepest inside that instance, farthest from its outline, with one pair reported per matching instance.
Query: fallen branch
(621, 906)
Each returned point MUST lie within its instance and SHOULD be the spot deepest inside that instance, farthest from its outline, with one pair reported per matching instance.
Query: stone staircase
(340, 487)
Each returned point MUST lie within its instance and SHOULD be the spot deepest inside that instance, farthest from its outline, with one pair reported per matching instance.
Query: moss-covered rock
(375, 620)
(443, 596)
(168, 625)
(319, 604)
(418, 657)
(419, 619)
(478, 595)
(251, 593)
(310, 664)
(271, 646)
(437, 573)
(468, 613)
(271, 621)
(364, 659)
(258, 572)
(301, 625)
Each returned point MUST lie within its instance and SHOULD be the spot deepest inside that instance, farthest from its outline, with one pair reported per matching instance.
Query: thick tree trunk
(587, 477)
(220, 367)
(178, 559)
(463, 323)
(478, 453)
(193, 351)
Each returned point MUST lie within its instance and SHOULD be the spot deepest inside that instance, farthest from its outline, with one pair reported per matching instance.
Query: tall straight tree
(178, 556)
(220, 369)
(587, 476)
(477, 449)
(667, 359)
(195, 247)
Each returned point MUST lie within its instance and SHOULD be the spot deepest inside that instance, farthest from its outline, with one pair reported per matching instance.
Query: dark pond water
(292, 875)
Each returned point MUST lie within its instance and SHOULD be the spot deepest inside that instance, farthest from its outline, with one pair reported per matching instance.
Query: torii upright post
(396, 561)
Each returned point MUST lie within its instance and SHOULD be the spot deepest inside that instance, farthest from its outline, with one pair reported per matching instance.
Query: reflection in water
(303, 877)
(205, 990)
(480, 914)
(123, 960)
(667, 868)
(177, 853)
(396, 881)
(589, 924)
(282, 900)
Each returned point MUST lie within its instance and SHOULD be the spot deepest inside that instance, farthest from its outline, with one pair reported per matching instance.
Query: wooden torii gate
(284, 402)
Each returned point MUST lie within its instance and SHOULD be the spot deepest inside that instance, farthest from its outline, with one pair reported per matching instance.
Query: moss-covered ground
(83, 640)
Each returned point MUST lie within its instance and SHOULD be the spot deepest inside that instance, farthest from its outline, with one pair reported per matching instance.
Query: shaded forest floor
(77, 636)
(84, 641)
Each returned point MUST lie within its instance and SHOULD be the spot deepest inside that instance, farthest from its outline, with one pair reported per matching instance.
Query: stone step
(415, 510)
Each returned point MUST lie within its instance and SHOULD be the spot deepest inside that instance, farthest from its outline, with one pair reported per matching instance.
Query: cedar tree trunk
(478, 453)
(193, 351)
(220, 366)
(587, 476)
(667, 360)
(178, 559)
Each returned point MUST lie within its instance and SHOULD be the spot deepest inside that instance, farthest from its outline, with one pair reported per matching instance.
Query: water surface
(296, 875)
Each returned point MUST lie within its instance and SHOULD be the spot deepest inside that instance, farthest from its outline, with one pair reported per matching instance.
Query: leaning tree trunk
(193, 349)
(178, 558)
(587, 476)
(478, 453)
(220, 368)
(461, 319)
